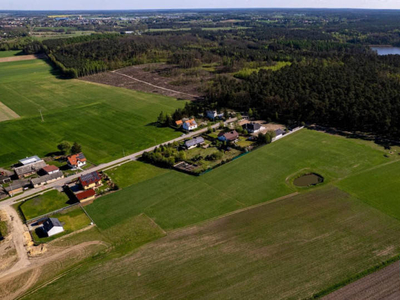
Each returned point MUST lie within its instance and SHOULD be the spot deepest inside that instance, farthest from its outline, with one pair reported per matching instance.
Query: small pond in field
(308, 180)
(381, 50)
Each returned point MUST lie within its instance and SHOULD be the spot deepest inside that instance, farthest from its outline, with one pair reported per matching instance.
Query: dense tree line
(355, 94)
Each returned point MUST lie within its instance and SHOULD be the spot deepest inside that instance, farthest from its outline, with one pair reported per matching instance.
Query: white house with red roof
(76, 160)
(189, 125)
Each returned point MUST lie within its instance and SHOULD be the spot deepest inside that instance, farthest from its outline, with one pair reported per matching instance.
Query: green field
(175, 199)
(133, 172)
(287, 249)
(72, 220)
(107, 121)
(246, 72)
(10, 53)
(378, 187)
(42, 204)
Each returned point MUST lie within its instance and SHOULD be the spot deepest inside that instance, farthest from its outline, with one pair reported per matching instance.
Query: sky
(170, 4)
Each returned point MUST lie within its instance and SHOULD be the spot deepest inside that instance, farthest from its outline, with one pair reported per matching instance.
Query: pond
(386, 50)
(308, 180)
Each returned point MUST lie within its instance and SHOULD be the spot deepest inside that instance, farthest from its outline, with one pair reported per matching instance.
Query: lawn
(288, 249)
(175, 199)
(72, 220)
(133, 172)
(378, 187)
(107, 121)
(10, 53)
(42, 204)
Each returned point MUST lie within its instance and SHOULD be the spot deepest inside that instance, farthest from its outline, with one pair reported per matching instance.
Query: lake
(386, 50)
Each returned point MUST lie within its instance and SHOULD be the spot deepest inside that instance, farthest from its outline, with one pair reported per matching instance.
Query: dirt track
(384, 284)
(20, 58)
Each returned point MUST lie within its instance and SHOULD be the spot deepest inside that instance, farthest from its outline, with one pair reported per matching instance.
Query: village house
(86, 196)
(16, 187)
(193, 143)
(90, 180)
(253, 127)
(29, 169)
(4, 178)
(50, 169)
(230, 136)
(212, 114)
(279, 133)
(190, 125)
(76, 160)
(179, 123)
(46, 179)
(52, 226)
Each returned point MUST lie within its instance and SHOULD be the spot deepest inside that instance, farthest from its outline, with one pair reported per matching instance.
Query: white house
(189, 125)
(76, 160)
(52, 226)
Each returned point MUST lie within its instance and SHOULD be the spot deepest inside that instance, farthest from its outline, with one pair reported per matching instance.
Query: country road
(125, 159)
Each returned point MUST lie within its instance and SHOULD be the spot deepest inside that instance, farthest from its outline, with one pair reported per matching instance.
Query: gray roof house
(52, 226)
(29, 160)
(29, 169)
(252, 127)
(194, 142)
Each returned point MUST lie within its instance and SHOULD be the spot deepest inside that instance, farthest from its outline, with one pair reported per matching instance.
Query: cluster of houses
(191, 124)
(34, 165)
(84, 190)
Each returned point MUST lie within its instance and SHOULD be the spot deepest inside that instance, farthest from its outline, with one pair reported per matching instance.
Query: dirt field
(6, 113)
(267, 126)
(20, 57)
(384, 284)
(155, 78)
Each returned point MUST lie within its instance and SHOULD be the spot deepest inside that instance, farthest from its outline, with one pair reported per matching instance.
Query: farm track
(79, 252)
(152, 85)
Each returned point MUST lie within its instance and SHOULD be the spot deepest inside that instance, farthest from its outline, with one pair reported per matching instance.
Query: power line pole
(41, 114)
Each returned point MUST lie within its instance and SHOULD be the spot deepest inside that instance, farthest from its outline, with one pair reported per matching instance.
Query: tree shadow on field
(379, 140)
(54, 71)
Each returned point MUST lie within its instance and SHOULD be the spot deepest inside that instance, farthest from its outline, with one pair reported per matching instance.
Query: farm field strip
(19, 58)
(6, 113)
(258, 253)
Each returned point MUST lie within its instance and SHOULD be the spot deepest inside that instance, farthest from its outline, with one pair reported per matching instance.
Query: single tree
(76, 148)
(64, 147)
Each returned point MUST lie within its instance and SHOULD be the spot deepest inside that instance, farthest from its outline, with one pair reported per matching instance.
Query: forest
(312, 66)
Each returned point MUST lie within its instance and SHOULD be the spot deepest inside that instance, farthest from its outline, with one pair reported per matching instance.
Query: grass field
(133, 172)
(246, 72)
(107, 121)
(6, 113)
(378, 187)
(72, 220)
(175, 199)
(286, 249)
(10, 53)
(43, 204)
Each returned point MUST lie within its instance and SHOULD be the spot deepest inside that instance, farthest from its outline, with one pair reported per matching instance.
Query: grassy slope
(42, 204)
(174, 199)
(378, 187)
(286, 249)
(104, 119)
(10, 53)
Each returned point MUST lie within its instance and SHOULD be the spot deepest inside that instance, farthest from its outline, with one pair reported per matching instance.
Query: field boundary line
(288, 196)
(154, 222)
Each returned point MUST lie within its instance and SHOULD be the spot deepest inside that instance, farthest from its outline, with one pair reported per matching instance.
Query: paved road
(125, 159)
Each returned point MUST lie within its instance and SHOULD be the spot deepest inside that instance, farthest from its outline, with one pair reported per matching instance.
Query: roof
(89, 178)
(179, 122)
(17, 184)
(46, 178)
(191, 122)
(279, 131)
(49, 223)
(50, 168)
(29, 160)
(230, 135)
(252, 126)
(33, 167)
(195, 141)
(73, 159)
(86, 194)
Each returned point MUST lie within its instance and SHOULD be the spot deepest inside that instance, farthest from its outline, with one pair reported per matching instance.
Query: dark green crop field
(106, 121)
